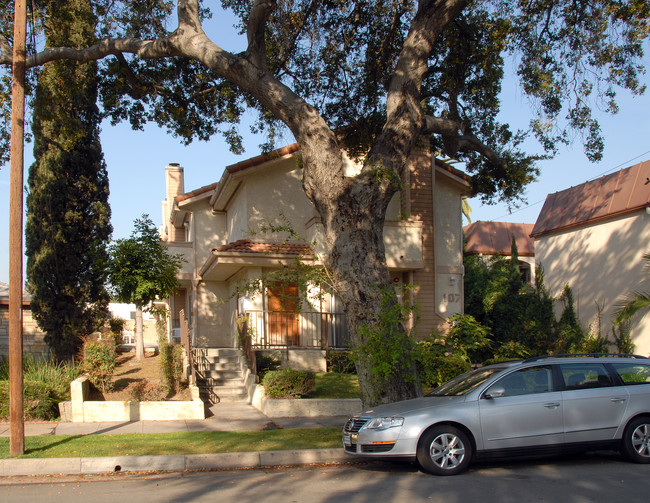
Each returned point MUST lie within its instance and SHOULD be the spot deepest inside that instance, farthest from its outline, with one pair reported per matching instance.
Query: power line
(528, 206)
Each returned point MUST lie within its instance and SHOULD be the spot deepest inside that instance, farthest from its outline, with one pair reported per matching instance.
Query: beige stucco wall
(600, 263)
(448, 247)
(212, 315)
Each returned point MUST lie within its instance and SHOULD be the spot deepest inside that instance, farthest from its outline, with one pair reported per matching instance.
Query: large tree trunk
(375, 317)
(139, 333)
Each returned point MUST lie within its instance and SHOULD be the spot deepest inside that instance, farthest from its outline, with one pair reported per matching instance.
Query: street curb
(181, 462)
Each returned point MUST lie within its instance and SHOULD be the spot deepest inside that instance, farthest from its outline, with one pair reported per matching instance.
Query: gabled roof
(196, 192)
(626, 191)
(495, 238)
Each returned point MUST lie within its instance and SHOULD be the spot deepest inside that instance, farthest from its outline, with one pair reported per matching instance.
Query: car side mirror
(495, 392)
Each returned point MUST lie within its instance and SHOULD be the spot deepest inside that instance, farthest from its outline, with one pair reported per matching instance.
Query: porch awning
(228, 260)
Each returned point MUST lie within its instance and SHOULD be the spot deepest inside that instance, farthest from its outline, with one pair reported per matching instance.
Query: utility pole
(16, 383)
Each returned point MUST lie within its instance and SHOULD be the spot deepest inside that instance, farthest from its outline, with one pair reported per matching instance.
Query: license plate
(347, 440)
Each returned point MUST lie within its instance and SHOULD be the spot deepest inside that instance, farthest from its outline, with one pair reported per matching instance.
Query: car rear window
(585, 376)
(633, 373)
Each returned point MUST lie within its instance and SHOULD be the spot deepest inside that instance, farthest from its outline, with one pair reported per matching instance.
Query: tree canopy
(374, 78)
(141, 271)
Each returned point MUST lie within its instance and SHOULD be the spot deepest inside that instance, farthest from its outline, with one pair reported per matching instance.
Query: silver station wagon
(540, 405)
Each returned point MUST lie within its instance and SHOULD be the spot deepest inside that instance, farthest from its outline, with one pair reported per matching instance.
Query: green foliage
(288, 383)
(635, 302)
(141, 270)
(467, 337)
(171, 364)
(435, 366)
(341, 362)
(265, 364)
(384, 343)
(68, 216)
(117, 325)
(98, 361)
(622, 337)
(47, 383)
(147, 391)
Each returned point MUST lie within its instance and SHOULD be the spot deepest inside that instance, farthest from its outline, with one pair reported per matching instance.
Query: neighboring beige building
(593, 238)
(33, 342)
(495, 239)
(217, 229)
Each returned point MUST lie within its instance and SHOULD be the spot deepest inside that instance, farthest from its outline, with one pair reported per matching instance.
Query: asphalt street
(600, 477)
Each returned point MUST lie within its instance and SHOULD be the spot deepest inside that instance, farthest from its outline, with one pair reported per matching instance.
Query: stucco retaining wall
(304, 407)
(82, 410)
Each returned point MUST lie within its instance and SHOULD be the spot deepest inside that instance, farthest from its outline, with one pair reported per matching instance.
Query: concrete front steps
(222, 375)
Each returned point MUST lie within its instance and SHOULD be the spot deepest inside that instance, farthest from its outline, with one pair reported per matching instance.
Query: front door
(284, 326)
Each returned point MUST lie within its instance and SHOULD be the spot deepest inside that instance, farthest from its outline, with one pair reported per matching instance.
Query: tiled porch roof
(250, 246)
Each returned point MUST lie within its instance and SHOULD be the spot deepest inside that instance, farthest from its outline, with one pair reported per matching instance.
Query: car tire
(636, 440)
(444, 450)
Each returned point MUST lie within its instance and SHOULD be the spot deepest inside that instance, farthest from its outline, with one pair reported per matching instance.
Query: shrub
(288, 383)
(171, 364)
(46, 384)
(98, 361)
(340, 362)
(435, 369)
(265, 364)
(146, 391)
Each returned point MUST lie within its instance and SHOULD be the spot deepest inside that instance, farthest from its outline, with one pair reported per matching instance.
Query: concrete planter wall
(82, 410)
(304, 407)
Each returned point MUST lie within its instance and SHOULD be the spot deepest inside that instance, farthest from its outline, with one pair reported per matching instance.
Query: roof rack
(593, 355)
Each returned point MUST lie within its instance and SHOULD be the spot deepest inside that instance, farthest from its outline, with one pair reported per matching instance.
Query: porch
(289, 329)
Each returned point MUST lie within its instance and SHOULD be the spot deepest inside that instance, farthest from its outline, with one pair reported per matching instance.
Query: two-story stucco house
(593, 238)
(217, 229)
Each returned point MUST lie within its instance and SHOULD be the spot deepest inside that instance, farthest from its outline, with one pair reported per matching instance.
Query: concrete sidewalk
(223, 417)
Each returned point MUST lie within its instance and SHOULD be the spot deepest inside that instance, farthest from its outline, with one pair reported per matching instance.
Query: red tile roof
(196, 192)
(495, 238)
(249, 246)
(610, 196)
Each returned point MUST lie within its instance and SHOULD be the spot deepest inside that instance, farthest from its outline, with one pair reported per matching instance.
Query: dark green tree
(142, 271)
(68, 216)
(371, 77)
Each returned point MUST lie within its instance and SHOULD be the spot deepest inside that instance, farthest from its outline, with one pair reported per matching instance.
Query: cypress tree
(68, 216)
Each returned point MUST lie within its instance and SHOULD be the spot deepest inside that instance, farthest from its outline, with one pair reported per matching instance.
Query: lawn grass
(334, 385)
(154, 444)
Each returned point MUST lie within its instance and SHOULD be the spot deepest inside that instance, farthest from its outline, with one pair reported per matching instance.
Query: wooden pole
(16, 383)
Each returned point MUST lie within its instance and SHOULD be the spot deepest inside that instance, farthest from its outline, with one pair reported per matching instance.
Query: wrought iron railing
(282, 329)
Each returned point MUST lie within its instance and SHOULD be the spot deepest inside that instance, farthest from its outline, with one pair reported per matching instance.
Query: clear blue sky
(136, 160)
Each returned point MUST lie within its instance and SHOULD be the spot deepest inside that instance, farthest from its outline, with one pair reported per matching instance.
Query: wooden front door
(283, 314)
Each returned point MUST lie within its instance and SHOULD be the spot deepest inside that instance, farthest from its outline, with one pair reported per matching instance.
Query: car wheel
(444, 450)
(636, 440)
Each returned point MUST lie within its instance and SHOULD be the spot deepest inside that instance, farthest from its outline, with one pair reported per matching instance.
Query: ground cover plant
(155, 444)
(46, 384)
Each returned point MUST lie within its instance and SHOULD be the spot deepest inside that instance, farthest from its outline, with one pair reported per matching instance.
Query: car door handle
(552, 405)
(618, 400)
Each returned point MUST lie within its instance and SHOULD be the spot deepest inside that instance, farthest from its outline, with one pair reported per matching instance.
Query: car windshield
(465, 383)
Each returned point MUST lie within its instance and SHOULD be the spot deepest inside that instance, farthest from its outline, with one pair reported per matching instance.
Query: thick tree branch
(256, 30)
(405, 117)
(456, 137)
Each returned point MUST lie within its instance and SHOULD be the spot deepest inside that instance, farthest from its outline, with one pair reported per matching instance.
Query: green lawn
(73, 446)
(333, 385)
